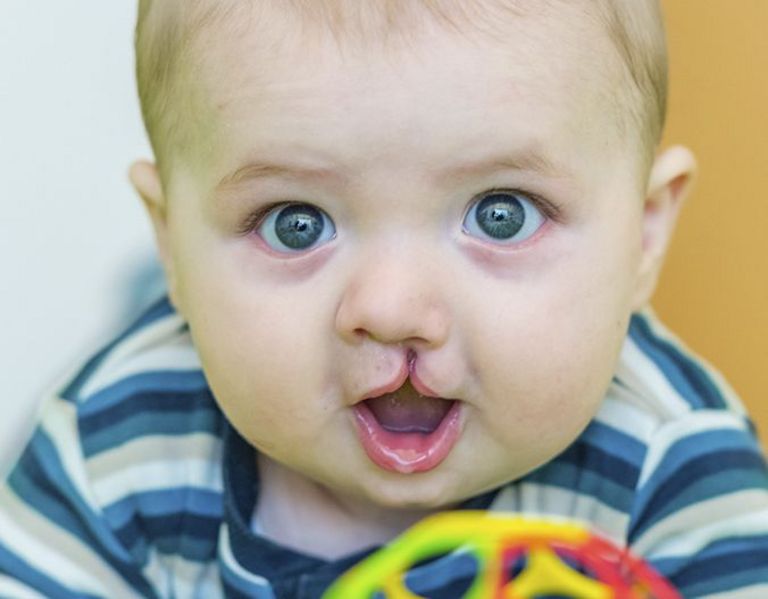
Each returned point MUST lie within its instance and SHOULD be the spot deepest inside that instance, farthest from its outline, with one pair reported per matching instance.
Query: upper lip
(390, 387)
(398, 381)
(420, 387)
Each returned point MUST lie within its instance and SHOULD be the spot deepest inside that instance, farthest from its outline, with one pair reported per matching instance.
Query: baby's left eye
(503, 217)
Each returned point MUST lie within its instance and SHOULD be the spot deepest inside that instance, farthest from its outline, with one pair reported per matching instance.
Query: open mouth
(405, 431)
(407, 411)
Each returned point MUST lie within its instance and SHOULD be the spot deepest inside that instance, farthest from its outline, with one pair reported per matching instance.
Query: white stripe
(163, 345)
(624, 411)
(139, 467)
(50, 396)
(536, 500)
(677, 430)
(199, 446)
(688, 530)
(192, 580)
(59, 422)
(660, 330)
(12, 588)
(758, 591)
(183, 578)
(740, 525)
(56, 553)
(228, 559)
(641, 374)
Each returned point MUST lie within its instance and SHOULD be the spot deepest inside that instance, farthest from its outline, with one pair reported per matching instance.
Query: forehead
(285, 78)
(296, 32)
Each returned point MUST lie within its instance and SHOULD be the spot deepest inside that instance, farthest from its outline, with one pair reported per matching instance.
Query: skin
(525, 335)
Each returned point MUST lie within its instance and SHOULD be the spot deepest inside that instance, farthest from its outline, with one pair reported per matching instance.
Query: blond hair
(167, 30)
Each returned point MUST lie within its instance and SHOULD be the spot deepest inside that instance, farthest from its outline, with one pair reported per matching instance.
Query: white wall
(72, 234)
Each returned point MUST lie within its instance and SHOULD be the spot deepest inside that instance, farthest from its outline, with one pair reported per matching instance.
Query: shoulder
(665, 398)
(673, 381)
(139, 415)
(700, 504)
(124, 463)
(143, 394)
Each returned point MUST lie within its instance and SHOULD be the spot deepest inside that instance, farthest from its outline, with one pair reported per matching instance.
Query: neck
(302, 515)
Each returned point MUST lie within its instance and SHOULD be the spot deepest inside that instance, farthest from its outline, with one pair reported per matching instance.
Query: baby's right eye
(295, 228)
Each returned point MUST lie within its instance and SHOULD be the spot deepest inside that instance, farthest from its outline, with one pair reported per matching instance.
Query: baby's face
(458, 218)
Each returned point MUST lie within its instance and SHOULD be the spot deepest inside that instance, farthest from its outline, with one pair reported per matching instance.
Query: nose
(394, 297)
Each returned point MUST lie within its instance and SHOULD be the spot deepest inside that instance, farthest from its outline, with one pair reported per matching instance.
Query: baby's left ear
(668, 186)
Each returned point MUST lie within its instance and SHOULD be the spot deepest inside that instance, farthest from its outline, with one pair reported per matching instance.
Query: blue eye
(503, 217)
(296, 228)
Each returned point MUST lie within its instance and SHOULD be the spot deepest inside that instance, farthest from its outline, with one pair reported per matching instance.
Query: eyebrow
(525, 161)
(529, 161)
(267, 170)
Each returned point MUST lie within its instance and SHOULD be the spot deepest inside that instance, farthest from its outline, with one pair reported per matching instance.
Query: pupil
(500, 216)
(299, 226)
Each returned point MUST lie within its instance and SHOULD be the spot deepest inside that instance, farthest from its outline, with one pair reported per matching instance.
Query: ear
(669, 183)
(145, 179)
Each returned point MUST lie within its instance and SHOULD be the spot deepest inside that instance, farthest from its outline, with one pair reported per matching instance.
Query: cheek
(544, 348)
(264, 351)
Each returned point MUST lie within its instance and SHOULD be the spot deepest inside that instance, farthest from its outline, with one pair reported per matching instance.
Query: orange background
(714, 289)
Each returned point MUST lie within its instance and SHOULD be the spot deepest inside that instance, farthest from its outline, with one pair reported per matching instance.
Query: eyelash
(550, 210)
(256, 218)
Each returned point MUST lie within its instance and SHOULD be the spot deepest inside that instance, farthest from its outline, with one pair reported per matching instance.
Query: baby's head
(363, 207)
(173, 39)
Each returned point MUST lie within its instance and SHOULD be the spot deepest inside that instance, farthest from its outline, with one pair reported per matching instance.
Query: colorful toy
(519, 558)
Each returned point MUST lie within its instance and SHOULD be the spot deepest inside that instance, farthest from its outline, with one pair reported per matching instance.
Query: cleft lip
(422, 388)
(389, 387)
(405, 426)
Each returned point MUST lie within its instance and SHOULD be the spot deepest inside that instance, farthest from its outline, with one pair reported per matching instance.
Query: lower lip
(407, 453)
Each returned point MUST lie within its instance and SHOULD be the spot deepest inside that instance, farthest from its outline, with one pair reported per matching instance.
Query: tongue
(405, 411)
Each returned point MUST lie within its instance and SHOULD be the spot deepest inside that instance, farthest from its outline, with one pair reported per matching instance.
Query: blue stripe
(686, 449)
(607, 439)
(159, 310)
(41, 480)
(171, 528)
(192, 515)
(737, 581)
(745, 470)
(724, 572)
(705, 442)
(688, 378)
(20, 570)
(190, 547)
(450, 576)
(607, 465)
(145, 383)
(708, 487)
(145, 425)
(571, 478)
(200, 502)
(142, 424)
(716, 550)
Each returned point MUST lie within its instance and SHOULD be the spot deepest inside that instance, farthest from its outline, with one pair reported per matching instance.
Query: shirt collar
(261, 556)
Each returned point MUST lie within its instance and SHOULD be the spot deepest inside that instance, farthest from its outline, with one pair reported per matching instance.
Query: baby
(409, 246)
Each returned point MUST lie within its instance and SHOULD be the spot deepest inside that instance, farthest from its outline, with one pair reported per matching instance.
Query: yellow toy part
(545, 548)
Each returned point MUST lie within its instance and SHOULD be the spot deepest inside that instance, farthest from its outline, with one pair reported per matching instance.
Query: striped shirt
(135, 485)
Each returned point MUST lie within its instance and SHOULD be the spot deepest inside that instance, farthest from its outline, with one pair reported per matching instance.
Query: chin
(419, 491)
